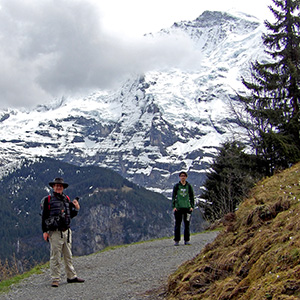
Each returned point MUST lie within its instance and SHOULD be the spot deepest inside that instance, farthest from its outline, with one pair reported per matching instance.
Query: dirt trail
(133, 272)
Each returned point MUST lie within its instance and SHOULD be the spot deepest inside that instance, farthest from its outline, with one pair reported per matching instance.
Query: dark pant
(179, 214)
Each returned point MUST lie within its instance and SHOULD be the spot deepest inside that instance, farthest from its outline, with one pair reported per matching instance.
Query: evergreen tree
(274, 101)
(232, 174)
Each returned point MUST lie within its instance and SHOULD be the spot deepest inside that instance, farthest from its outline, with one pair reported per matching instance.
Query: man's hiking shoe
(74, 280)
(187, 243)
(176, 244)
(54, 284)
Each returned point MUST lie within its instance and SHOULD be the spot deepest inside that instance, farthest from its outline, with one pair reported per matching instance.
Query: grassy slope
(257, 255)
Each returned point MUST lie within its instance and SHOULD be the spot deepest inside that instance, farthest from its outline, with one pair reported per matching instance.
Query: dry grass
(10, 274)
(8, 270)
(13, 267)
(257, 254)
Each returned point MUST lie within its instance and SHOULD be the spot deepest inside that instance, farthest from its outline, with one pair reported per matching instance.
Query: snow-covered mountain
(155, 124)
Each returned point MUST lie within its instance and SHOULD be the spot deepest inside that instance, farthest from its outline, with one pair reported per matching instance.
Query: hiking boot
(176, 244)
(74, 280)
(55, 284)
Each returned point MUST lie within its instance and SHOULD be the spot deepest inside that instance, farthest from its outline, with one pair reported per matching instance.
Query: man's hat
(58, 180)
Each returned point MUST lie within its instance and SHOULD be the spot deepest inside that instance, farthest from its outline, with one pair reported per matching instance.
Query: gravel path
(134, 272)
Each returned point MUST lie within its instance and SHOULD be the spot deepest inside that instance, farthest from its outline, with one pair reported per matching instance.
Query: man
(57, 211)
(183, 205)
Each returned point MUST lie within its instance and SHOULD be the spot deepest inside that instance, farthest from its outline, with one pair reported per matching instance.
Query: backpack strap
(191, 193)
(176, 187)
(190, 190)
(68, 239)
(49, 198)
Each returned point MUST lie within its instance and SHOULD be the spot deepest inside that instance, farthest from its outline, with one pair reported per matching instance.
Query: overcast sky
(51, 48)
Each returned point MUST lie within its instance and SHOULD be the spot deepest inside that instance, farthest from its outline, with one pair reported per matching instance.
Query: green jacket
(183, 196)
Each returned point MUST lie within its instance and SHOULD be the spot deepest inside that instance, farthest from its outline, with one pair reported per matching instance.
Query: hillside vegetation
(257, 254)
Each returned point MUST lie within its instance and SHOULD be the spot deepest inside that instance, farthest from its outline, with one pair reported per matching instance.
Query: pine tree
(232, 174)
(275, 92)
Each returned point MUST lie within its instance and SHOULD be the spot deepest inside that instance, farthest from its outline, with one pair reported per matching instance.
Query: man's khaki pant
(61, 247)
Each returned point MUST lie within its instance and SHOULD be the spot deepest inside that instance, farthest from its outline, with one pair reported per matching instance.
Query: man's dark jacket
(59, 204)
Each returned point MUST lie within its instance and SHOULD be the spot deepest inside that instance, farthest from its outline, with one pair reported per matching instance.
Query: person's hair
(182, 172)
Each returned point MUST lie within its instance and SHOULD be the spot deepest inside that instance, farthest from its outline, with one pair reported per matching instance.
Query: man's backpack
(43, 203)
(49, 198)
(53, 222)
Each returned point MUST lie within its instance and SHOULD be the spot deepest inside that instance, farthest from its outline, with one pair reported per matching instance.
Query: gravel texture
(133, 272)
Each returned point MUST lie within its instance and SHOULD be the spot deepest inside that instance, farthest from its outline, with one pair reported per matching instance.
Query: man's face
(183, 178)
(58, 188)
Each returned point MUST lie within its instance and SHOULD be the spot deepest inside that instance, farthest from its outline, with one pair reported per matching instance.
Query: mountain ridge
(156, 123)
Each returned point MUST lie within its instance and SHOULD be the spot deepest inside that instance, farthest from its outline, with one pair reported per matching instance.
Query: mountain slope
(257, 255)
(155, 124)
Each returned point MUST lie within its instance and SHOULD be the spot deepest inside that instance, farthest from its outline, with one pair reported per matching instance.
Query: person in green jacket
(183, 204)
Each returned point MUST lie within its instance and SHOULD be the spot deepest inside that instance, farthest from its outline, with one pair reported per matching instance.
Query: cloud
(52, 48)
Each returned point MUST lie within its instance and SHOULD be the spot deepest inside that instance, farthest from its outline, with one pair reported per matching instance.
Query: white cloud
(52, 48)
(136, 17)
